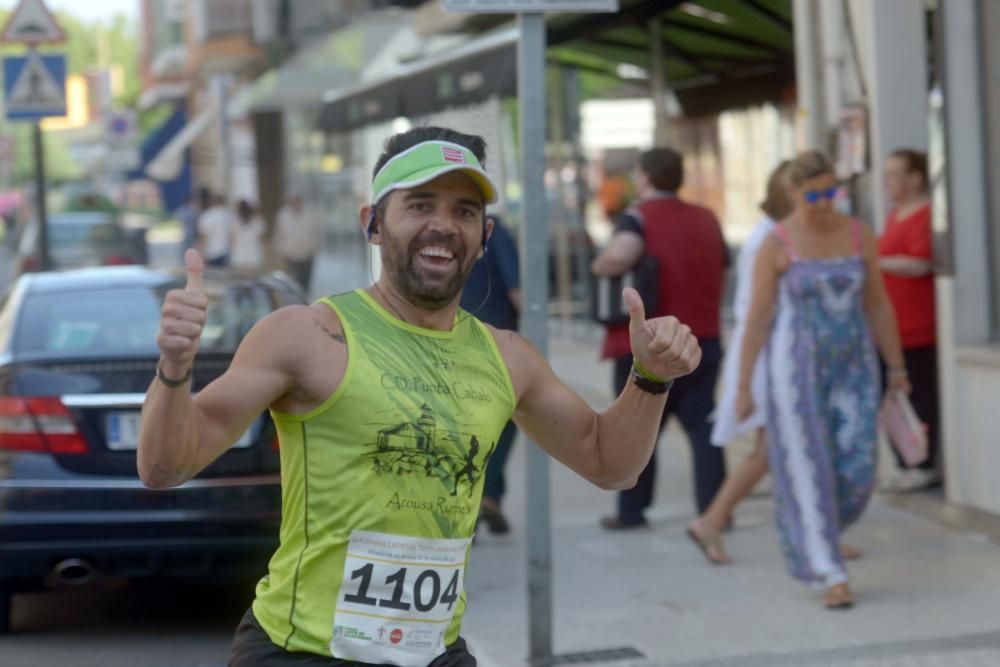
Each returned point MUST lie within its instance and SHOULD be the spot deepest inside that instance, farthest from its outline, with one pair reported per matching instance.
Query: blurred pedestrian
(686, 240)
(905, 255)
(493, 294)
(247, 238)
(817, 301)
(187, 214)
(215, 227)
(707, 529)
(297, 238)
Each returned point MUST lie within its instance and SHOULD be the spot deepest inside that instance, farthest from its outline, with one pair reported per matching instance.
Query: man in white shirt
(214, 230)
(297, 238)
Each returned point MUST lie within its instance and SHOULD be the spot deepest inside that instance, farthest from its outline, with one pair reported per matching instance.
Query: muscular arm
(181, 434)
(608, 449)
(612, 447)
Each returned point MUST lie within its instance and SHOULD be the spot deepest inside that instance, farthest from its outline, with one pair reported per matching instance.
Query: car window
(84, 323)
(95, 229)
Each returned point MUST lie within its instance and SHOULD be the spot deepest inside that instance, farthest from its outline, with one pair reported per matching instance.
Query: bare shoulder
(303, 345)
(524, 361)
(772, 253)
(307, 325)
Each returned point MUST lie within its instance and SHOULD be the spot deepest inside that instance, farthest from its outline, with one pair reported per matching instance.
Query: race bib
(397, 598)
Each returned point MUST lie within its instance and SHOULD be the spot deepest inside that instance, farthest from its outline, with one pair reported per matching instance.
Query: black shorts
(253, 648)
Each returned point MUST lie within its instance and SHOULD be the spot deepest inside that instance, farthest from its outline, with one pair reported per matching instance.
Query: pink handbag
(906, 433)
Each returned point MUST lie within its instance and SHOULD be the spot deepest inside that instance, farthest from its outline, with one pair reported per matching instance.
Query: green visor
(425, 162)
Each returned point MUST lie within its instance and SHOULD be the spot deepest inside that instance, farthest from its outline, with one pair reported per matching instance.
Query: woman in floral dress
(819, 304)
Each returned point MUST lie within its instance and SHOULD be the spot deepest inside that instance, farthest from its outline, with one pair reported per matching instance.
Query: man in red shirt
(906, 252)
(686, 240)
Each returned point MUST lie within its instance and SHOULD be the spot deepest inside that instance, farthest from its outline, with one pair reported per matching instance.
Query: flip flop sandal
(711, 547)
(838, 598)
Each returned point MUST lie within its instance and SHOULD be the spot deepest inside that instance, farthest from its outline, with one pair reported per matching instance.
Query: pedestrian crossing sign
(34, 86)
(31, 22)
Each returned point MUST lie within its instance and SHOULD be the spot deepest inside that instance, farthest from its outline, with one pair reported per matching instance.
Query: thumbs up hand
(663, 346)
(182, 320)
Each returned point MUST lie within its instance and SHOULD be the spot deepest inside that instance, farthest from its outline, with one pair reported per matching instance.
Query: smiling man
(389, 402)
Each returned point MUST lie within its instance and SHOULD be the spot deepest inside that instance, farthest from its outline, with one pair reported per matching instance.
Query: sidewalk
(926, 595)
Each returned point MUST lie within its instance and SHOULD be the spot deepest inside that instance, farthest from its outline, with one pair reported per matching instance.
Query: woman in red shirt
(905, 252)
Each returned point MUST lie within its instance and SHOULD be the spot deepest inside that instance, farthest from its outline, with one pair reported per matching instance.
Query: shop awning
(471, 72)
(718, 54)
(167, 164)
(332, 62)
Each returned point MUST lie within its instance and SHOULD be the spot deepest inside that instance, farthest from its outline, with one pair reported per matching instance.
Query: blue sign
(34, 86)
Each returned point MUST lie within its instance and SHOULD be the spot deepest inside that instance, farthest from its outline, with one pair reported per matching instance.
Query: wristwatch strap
(650, 386)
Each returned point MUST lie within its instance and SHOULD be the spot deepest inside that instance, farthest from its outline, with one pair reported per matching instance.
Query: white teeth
(436, 251)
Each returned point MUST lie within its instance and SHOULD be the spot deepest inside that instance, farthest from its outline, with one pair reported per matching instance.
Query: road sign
(34, 86)
(530, 6)
(120, 126)
(31, 22)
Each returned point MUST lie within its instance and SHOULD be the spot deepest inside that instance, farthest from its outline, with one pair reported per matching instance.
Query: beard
(423, 291)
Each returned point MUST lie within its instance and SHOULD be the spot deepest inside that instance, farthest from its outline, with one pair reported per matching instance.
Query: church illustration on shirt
(421, 448)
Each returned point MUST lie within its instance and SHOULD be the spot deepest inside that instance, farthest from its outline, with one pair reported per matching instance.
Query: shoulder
(630, 221)
(319, 338)
(523, 360)
(757, 236)
(296, 322)
(771, 251)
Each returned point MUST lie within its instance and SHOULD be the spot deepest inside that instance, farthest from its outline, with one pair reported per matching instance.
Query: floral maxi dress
(822, 405)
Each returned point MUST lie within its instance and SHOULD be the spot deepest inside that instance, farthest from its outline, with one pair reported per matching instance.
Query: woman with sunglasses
(819, 304)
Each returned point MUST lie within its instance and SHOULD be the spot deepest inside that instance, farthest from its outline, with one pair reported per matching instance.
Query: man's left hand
(663, 346)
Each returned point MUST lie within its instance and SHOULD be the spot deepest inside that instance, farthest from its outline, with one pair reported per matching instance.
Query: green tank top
(381, 486)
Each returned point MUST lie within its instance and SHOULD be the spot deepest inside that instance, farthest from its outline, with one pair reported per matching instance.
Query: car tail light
(38, 424)
(118, 260)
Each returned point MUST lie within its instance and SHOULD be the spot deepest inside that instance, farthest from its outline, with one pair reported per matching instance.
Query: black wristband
(173, 384)
(649, 386)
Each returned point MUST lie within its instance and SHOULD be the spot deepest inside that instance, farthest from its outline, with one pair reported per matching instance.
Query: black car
(77, 354)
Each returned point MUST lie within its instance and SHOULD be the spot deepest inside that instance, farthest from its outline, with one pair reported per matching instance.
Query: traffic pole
(534, 250)
(43, 222)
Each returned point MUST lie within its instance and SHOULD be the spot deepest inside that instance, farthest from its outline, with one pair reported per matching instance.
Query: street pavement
(926, 595)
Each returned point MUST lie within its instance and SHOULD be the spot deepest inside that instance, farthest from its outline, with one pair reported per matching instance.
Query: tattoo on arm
(336, 336)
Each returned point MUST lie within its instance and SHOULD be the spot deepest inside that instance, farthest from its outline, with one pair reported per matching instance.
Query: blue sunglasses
(813, 196)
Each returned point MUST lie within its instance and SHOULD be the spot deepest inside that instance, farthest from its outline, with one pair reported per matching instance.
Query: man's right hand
(182, 320)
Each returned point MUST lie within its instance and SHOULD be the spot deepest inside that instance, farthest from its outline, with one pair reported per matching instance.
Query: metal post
(658, 85)
(809, 72)
(534, 242)
(43, 221)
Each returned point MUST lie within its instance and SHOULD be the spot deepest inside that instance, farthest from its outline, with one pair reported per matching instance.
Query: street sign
(34, 86)
(31, 22)
(121, 141)
(529, 6)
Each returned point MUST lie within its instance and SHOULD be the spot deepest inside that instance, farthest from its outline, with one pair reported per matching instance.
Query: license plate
(122, 431)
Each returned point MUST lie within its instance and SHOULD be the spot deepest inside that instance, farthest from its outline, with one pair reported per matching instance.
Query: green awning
(718, 55)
